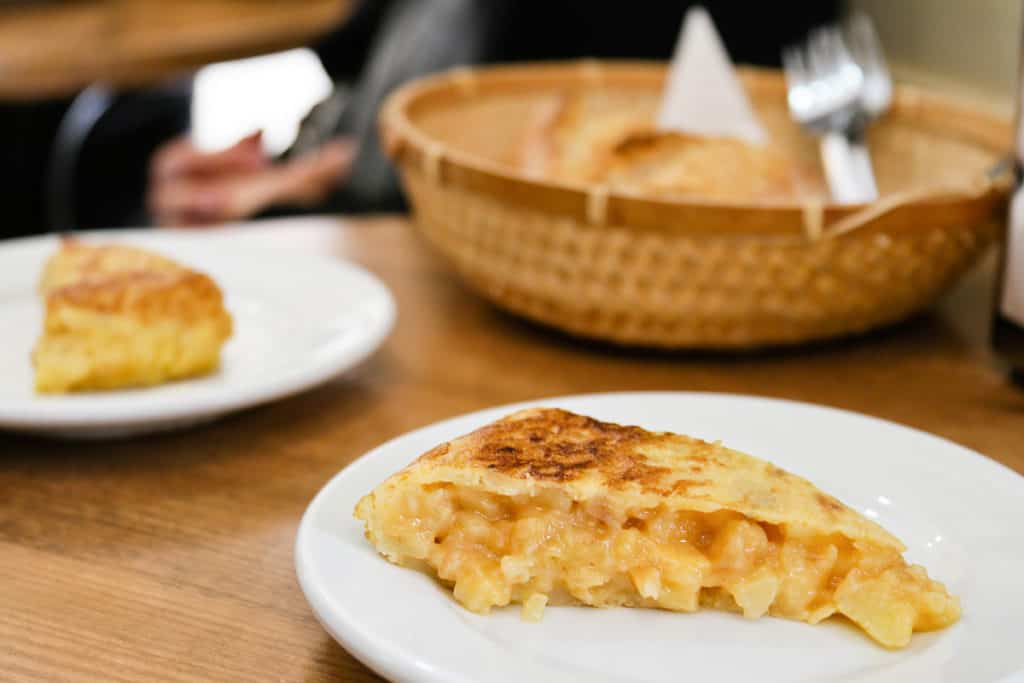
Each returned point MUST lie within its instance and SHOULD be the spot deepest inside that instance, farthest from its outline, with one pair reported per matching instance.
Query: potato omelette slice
(549, 507)
(119, 316)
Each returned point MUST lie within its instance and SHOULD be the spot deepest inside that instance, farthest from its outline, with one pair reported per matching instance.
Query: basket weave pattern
(681, 274)
(687, 291)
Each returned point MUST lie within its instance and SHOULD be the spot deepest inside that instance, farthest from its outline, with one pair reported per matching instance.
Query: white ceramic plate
(300, 320)
(960, 514)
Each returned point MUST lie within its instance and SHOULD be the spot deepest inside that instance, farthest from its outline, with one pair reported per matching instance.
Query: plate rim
(40, 416)
(392, 661)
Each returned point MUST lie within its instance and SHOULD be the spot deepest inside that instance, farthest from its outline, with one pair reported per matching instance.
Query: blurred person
(337, 165)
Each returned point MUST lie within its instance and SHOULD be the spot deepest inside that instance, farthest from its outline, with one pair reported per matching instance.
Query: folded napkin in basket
(702, 95)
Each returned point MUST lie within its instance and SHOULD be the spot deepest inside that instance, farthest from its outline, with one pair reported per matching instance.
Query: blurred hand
(188, 187)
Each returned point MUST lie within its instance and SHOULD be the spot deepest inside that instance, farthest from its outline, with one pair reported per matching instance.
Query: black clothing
(411, 38)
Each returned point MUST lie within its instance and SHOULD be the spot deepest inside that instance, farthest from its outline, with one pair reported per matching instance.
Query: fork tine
(825, 94)
(832, 49)
(798, 96)
(820, 56)
(793, 65)
(867, 51)
(864, 43)
(840, 46)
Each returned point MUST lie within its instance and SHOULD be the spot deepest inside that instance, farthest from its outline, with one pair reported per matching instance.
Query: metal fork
(837, 83)
(866, 49)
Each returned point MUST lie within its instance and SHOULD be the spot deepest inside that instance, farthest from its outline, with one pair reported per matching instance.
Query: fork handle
(848, 169)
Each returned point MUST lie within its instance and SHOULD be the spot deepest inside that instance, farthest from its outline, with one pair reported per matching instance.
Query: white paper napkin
(703, 96)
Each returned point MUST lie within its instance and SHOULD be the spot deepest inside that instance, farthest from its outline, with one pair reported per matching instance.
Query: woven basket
(684, 273)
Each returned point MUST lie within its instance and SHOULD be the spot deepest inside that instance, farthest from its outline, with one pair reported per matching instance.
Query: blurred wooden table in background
(56, 48)
(169, 558)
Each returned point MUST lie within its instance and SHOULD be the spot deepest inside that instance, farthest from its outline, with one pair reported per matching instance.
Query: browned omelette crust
(556, 445)
(184, 296)
(118, 279)
(77, 262)
(546, 447)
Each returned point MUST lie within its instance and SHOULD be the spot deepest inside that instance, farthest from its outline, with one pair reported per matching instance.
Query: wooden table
(170, 557)
(52, 49)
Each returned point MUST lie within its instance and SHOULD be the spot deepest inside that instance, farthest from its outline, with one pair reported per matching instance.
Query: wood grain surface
(137, 42)
(169, 558)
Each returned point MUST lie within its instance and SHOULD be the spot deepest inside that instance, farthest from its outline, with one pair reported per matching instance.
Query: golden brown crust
(556, 445)
(183, 295)
(573, 133)
(121, 279)
(675, 163)
(77, 262)
(591, 138)
(546, 447)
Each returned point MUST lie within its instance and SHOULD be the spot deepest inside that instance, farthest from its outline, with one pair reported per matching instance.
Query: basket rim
(408, 144)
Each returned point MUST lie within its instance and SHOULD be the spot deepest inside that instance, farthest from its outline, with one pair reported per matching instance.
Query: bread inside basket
(686, 270)
(913, 147)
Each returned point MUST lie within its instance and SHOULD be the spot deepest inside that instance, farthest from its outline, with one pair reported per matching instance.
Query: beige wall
(973, 43)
